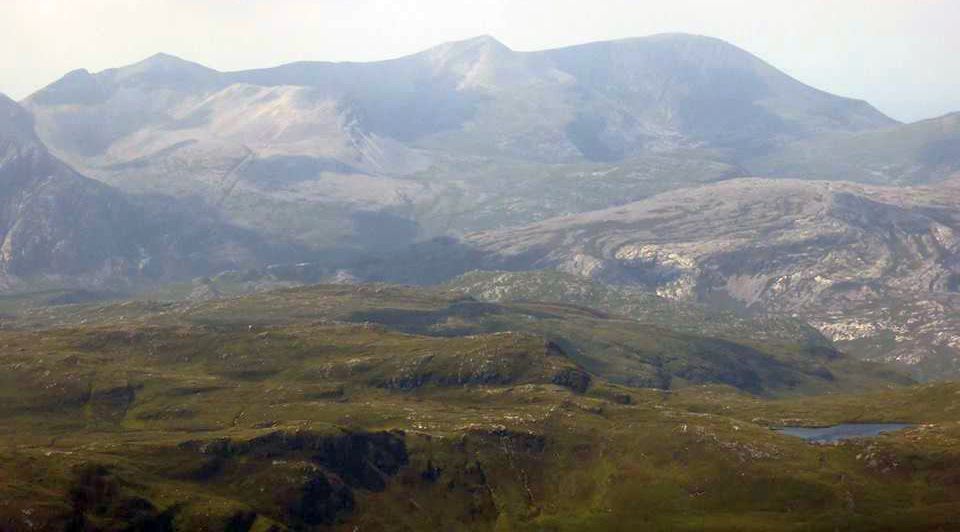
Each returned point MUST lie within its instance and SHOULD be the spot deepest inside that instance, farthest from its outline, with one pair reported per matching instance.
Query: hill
(645, 307)
(179, 416)
(618, 349)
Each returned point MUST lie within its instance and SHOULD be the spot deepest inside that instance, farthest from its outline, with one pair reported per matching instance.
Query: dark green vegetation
(606, 397)
(382, 408)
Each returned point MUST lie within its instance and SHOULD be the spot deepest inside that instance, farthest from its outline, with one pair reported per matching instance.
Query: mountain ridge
(703, 52)
(430, 138)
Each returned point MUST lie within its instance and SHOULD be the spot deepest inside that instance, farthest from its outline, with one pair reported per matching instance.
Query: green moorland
(385, 408)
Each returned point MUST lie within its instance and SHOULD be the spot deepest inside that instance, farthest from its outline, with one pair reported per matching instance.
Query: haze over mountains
(601, 102)
(922, 152)
(628, 262)
(60, 227)
(434, 138)
(342, 164)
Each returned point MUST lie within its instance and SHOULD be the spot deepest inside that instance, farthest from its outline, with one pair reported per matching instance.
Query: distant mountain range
(465, 136)
(624, 162)
(598, 102)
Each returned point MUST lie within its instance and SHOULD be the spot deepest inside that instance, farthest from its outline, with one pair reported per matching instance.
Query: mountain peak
(5, 102)
(164, 70)
(484, 40)
(682, 36)
(76, 87)
(479, 44)
(162, 58)
(165, 61)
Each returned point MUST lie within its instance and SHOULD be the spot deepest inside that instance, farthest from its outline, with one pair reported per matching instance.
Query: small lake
(844, 431)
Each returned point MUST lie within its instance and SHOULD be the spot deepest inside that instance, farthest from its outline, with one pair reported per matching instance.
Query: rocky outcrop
(326, 468)
(850, 259)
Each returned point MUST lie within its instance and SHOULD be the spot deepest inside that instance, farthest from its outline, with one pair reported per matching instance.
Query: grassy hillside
(381, 408)
(617, 348)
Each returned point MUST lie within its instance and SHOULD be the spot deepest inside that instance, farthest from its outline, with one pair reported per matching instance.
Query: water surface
(844, 431)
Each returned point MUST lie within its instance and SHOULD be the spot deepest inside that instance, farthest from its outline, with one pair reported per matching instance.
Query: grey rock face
(53, 221)
(58, 227)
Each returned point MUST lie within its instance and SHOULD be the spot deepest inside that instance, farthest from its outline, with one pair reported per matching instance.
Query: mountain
(340, 154)
(599, 102)
(60, 228)
(273, 412)
(876, 269)
(55, 222)
(628, 333)
(923, 152)
(348, 160)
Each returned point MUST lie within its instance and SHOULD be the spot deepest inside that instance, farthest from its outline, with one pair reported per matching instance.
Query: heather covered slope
(176, 417)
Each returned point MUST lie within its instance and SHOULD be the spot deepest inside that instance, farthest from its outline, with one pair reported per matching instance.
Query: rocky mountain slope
(338, 154)
(869, 266)
(638, 304)
(60, 228)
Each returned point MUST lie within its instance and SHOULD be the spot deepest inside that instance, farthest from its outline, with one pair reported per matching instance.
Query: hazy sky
(901, 55)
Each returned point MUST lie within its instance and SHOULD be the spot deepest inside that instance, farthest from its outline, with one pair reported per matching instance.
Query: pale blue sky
(901, 55)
